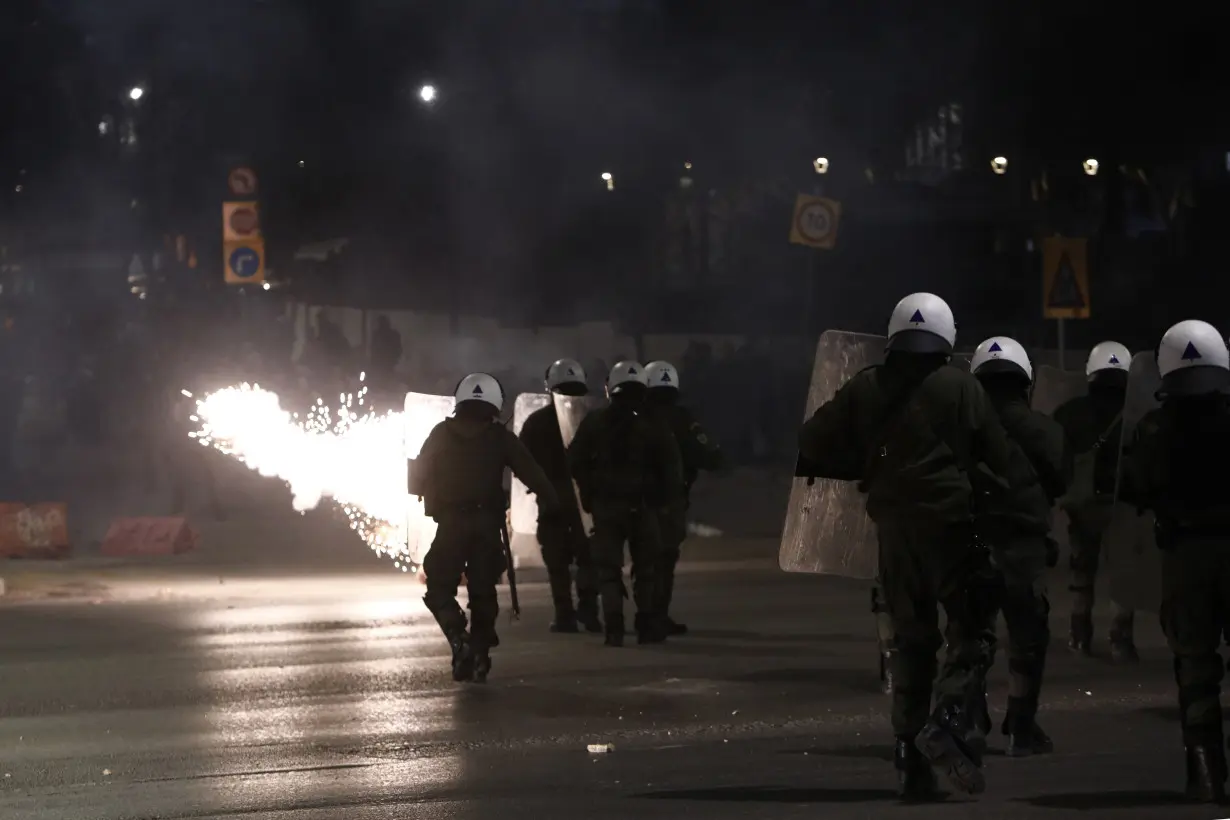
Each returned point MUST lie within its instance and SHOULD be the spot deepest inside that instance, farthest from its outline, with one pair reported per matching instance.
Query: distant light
(687, 166)
(1091, 166)
(610, 180)
(266, 286)
(1000, 165)
(300, 163)
(136, 93)
(18, 189)
(103, 128)
(427, 93)
(821, 164)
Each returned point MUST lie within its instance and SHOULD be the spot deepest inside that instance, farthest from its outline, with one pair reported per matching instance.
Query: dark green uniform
(459, 475)
(698, 452)
(1175, 466)
(1093, 426)
(929, 446)
(562, 535)
(627, 468)
(1022, 559)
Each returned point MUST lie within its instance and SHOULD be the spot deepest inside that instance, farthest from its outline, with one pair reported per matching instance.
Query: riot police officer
(931, 453)
(1175, 466)
(562, 536)
(459, 474)
(1093, 426)
(699, 452)
(1023, 549)
(627, 469)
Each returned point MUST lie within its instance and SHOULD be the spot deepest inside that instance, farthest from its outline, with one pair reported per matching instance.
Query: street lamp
(609, 180)
(1091, 166)
(136, 93)
(821, 164)
(999, 165)
(428, 93)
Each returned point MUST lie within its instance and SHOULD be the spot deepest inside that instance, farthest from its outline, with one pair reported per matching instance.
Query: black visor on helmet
(918, 341)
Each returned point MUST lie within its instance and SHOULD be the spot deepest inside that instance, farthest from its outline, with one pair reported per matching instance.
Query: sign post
(243, 243)
(1065, 284)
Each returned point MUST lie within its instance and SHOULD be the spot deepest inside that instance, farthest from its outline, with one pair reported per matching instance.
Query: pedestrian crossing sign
(1065, 278)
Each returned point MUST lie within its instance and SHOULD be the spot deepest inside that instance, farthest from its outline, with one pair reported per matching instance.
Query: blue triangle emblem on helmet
(1190, 353)
(995, 348)
(666, 376)
(917, 318)
(631, 371)
(1113, 359)
(478, 390)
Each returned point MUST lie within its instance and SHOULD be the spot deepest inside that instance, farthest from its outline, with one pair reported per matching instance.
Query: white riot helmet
(1108, 356)
(661, 375)
(922, 323)
(625, 375)
(567, 377)
(1192, 359)
(1001, 354)
(480, 387)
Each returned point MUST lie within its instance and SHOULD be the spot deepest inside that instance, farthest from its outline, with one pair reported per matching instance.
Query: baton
(512, 572)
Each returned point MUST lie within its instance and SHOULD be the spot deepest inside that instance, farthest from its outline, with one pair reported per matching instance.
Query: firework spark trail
(345, 452)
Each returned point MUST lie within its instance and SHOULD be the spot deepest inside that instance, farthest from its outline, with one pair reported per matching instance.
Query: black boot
(915, 779)
(1206, 774)
(587, 613)
(673, 627)
(482, 663)
(943, 742)
(1080, 634)
(649, 628)
(614, 629)
(886, 670)
(1122, 640)
(1025, 736)
(565, 621)
(463, 657)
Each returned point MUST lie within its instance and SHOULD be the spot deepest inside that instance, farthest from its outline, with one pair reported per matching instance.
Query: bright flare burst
(349, 454)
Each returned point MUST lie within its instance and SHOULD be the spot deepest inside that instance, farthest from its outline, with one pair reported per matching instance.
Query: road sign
(242, 182)
(1065, 278)
(240, 221)
(244, 262)
(815, 221)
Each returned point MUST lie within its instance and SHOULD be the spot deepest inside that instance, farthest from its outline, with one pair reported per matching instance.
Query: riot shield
(1133, 560)
(422, 412)
(570, 410)
(827, 530)
(523, 509)
(1054, 387)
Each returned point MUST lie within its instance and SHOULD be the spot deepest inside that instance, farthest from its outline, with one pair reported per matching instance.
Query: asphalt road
(314, 699)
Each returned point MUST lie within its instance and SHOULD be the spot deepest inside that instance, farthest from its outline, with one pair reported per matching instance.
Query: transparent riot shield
(1054, 387)
(1130, 551)
(570, 410)
(827, 530)
(523, 508)
(422, 412)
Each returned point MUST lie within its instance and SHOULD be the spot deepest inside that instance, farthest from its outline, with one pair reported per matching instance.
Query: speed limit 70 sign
(815, 221)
